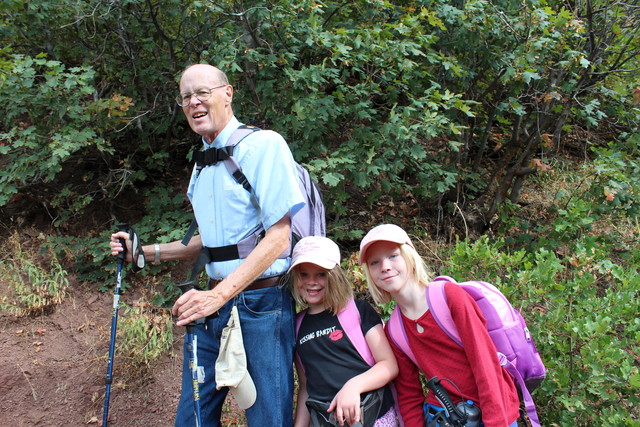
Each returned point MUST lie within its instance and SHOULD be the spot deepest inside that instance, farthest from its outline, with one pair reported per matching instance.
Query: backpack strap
(529, 404)
(396, 328)
(233, 166)
(398, 334)
(299, 318)
(437, 302)
(351, 323)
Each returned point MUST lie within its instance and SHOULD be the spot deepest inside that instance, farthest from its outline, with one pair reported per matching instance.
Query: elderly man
(225, 215)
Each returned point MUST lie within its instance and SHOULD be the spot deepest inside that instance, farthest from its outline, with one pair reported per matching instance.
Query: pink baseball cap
(317, 250)
(386, 233)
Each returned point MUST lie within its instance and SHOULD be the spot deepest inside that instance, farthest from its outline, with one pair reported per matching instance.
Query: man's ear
(228, 91)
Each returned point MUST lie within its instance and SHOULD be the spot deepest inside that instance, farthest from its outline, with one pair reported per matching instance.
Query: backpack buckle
(210, 156)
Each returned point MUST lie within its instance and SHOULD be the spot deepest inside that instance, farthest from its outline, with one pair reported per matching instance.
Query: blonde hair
(337, 293)
(416, 268)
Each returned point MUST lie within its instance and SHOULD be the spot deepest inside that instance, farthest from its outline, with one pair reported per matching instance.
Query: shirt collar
(223, 136)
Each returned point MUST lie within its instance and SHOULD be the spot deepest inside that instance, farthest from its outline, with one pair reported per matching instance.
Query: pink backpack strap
(351, 323)
(398, 334)
(529, 404)
(299, 318)
(437, 302)
(435, 298)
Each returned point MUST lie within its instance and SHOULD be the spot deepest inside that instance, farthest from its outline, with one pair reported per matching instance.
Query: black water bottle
(472, 411)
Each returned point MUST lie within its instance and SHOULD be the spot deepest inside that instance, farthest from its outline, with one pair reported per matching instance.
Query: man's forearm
(174, 251)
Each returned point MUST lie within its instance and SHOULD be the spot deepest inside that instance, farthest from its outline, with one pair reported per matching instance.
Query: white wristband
(156, 257)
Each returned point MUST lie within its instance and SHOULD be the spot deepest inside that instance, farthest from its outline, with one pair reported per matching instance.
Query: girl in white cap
(396, 271)
(335, 380)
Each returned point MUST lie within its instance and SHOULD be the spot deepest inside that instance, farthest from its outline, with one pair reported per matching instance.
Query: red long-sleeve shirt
(474, 368)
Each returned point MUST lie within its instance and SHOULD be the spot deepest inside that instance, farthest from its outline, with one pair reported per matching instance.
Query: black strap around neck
(212, 156)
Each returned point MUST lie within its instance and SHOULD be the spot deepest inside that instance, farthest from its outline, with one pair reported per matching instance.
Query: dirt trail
(53, 368)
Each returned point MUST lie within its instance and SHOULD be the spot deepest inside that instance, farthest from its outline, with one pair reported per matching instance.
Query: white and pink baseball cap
(385, 233)
(317, 250)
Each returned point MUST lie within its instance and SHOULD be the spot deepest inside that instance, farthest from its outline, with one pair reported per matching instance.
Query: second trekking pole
(114, 325)
(192, 349)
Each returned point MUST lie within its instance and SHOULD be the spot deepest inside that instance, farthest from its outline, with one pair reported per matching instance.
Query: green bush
(582, 311)
(33, 289)
(50, 128)
(145, 334)
(167, 219)
(435, 100)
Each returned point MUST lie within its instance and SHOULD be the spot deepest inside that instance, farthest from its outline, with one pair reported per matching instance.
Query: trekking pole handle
(454, 414)
(122, 255)
(186, 287)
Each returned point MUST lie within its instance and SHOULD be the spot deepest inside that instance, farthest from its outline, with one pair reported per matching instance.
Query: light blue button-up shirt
(223, 207)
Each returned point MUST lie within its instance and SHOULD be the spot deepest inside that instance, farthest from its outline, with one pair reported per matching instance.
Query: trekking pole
(192, 349)
(114, 324)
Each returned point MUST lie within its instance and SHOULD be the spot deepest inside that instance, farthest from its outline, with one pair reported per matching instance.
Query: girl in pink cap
(343, 359)
(396, 271)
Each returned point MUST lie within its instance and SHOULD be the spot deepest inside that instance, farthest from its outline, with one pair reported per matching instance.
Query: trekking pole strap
(190, 232)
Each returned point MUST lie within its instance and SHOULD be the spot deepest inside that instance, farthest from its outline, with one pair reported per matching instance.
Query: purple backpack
(516, 350)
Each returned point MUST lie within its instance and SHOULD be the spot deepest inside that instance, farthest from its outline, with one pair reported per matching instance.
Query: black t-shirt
(328, 356)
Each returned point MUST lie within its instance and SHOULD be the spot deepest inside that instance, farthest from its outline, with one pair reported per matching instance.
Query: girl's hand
(347, 404)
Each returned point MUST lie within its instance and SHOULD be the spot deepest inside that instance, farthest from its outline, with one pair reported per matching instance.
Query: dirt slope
(53, 368)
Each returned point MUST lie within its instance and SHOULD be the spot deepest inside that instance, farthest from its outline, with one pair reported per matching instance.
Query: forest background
(503, 135)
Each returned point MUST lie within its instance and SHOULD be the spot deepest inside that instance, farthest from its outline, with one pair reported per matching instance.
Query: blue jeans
(267, 321)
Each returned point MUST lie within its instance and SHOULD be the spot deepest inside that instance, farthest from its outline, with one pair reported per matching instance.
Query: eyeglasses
(201, 95)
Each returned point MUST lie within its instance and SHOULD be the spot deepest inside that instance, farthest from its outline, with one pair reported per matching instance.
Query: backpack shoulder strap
(350, 320)
(211, 156)
(299, 318)
(529, 404)
(398, 334)
(437, 302)
(232, 164)
(238, 135)
(351, 323)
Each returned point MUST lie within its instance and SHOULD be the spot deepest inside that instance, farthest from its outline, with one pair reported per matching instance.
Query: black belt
(258, 284)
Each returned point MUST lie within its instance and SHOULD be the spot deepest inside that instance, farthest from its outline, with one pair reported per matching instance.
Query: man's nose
(191, 98)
